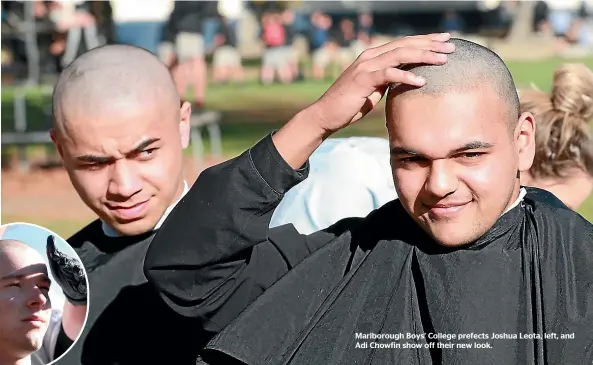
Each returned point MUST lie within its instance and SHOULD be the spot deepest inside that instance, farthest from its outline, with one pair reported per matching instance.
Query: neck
(179, 192)
(514, 195)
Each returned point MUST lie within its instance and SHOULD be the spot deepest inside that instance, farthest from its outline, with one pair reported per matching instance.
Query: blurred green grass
(250, 111)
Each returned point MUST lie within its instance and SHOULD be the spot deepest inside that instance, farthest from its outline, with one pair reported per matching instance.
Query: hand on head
(362, 85)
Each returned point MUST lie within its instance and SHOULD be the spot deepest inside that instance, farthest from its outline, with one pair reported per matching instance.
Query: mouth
(36, 321)
(449, 210)
(129, 212)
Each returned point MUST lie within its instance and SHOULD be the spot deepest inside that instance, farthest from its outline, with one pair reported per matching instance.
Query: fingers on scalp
(394, 75)
(413, 55)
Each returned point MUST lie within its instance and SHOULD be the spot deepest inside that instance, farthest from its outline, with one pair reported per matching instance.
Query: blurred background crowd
(292, 40)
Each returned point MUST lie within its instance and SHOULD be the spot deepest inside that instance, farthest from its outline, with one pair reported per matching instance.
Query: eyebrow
(105, 159)
(473, 145)
(45, 278)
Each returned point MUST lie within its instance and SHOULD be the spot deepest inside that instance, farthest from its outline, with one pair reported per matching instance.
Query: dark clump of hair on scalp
(469, 67)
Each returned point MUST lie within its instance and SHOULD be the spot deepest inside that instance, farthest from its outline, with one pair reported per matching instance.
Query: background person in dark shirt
(343, 38)
(226, 60)
(321, 49)
(365, 33)
(291, 53)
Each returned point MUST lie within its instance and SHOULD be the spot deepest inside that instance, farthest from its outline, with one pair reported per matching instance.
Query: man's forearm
(299, 138)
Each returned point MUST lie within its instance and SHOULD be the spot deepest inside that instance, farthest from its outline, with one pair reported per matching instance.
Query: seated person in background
(321, 49)
(563, 161)
(226, 59)
(344, 38)
(349, 177)
(365, 34)
(276, 57)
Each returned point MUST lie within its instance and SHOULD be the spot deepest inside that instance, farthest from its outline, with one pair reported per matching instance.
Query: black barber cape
(128, 320)
(530, 275)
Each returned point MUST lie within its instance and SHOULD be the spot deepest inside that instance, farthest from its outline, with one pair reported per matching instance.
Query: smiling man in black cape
(465, 251)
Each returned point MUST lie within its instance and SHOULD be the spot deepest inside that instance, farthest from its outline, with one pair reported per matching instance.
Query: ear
(524, 136)
(185, 124)
(56, 141)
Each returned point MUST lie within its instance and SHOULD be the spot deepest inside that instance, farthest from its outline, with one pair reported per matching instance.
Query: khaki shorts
(277, 58)
(186, 47)
(226, 56)
(189, 45)
(322, 57)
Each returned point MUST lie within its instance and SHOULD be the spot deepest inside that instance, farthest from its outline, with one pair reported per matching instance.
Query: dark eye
(410, 159)
(15, 284)
(472, 155)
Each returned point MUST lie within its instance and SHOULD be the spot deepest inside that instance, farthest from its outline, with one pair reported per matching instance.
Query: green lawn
(250, 111)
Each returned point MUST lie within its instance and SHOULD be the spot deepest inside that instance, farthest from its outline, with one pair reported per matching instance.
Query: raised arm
(213, 256)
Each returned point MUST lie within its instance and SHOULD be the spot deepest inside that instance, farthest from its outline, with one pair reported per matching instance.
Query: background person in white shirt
(349, 177)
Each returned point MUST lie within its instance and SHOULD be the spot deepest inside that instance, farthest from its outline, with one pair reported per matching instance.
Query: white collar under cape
(110, 232)
(522, 194)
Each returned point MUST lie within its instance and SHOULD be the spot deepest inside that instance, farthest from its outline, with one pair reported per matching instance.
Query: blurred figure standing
(183, 47)
(140, 23)
(75, 20)
(232, 11)
(227, 59)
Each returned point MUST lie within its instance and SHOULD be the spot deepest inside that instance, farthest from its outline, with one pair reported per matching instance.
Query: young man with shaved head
(121, 132)
(25, 308)
(466, 267)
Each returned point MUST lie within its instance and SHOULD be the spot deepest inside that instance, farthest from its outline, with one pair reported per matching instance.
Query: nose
(124, 181)
(37, 299)
(441, 180)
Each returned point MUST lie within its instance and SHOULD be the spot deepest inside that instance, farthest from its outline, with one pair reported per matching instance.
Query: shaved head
(110, 78)
(9, 246)
(121, 130)
(470, 67)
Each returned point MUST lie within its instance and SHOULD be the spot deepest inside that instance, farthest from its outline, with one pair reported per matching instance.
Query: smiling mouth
(446, 210)
(129, 212)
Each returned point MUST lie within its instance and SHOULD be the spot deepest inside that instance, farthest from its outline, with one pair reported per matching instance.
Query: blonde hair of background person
(563, 161)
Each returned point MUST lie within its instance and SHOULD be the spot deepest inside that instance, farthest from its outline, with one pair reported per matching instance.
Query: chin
(134, 228)
(452, 236)
(35, 340)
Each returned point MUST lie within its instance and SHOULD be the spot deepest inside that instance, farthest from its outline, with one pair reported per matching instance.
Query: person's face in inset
(125, 161)
(455, 160)
(25, 308)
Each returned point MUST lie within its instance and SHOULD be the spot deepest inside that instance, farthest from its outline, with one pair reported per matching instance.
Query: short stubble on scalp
(469, 67)
(108, 77)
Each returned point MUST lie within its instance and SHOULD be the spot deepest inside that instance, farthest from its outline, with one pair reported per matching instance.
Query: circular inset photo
(43, 295)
